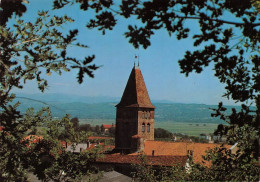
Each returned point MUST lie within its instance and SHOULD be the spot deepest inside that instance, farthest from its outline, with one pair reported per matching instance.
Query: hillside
(170, 112)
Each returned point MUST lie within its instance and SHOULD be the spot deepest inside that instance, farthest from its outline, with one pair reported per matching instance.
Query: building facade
(134, 115)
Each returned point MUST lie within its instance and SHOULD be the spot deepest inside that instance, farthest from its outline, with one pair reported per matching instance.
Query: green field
(95, 122)
(191, 129)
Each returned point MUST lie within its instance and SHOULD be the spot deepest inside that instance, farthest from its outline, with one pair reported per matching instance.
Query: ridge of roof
(135, 93)
(152, 160)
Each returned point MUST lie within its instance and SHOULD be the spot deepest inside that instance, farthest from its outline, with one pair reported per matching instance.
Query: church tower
(134, 115)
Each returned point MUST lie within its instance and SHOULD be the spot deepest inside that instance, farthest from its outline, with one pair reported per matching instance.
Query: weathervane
(137, 57)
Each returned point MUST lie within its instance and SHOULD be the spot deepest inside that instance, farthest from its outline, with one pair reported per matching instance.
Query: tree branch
(27, 41)
(216, 20)
(6, 67)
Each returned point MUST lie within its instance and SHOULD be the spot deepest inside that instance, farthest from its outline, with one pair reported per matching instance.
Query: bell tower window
(145, 115)
(148, 127)
(143, 127)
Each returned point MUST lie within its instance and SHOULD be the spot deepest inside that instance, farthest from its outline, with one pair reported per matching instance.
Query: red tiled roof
(107, 126)
(64, 144)
(99, 137)
(33, 138)
(162, 148)
(135, 94)
(152, 160)
(93, 145)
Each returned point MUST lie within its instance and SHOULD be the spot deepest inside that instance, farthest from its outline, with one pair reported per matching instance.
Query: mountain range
(104, 108)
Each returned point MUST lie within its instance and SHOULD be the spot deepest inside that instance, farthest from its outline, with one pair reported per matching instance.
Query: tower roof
(135, 94)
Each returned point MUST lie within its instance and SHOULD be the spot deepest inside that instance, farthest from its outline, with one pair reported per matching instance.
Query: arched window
(148, 127)
(149, 115)
(145, 115)
(143, 127)
(142, 115)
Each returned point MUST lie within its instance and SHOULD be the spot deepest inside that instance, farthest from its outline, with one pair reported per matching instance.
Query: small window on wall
(143, 127)
(149, 115)
(148, 127)
(145, 115)
(142, 115)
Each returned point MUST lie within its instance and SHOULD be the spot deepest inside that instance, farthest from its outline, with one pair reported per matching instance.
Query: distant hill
(66, 98)
(96, 109)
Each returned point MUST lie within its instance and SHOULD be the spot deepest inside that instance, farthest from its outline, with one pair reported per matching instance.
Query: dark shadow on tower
(134, 115)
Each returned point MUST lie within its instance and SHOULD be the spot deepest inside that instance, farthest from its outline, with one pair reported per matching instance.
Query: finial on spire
(137, 57)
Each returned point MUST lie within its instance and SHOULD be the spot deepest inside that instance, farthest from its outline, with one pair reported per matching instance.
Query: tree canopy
(162, 133)
(29, 51)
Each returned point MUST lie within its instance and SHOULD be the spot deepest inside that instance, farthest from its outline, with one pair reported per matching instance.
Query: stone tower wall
(146, 120)
(126, 127)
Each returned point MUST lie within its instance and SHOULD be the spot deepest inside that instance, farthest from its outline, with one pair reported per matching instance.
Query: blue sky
(159, 64)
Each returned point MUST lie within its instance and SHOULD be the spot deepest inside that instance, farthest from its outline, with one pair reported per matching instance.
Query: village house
(106, 127)
(213, 138)
(92, 142)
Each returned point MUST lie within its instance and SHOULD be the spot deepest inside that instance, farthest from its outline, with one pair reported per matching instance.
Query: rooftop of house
(151, 160)
(77, 148)
(107, 126)
(64, 144)
(162, 148)
(80, 147)
(99, 138)
(33, 138)
(135, 93)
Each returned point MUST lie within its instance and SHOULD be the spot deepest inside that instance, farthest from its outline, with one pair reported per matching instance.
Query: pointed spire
(135, 94)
